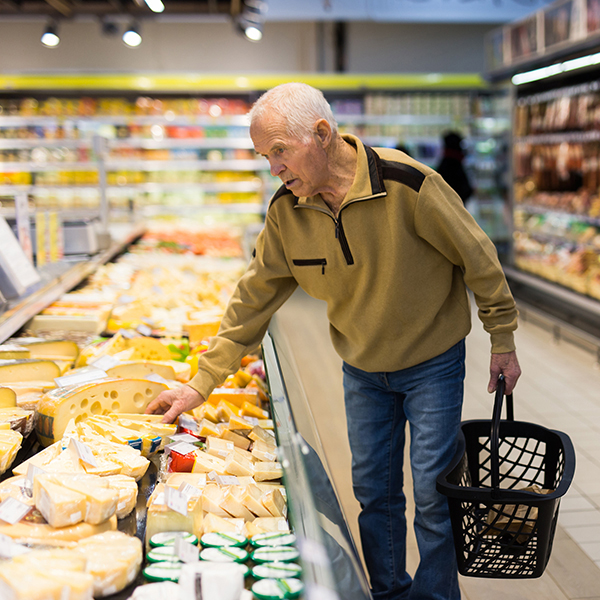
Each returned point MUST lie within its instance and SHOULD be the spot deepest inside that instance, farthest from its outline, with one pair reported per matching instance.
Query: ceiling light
(155, 5)
(556, 69)
(50, 37)
(250, 20)
(253, 32)
(132, 37)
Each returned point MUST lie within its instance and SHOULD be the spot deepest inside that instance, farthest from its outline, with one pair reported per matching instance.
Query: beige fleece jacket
(392, 267)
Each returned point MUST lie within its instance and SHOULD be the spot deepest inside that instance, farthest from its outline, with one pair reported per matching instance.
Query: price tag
(186, 552)
(212, 476)
(252, 420)
(227, 480)
(127, 333)
(159, 499)
(12, 511)
(176, 501)
(156, 378)
(144, 330)
(184, 437)
(189, 491)
(24, 224)
(105, 362)
(83, 452)
(181, 448)
(148, 322)
(85, 375)
(32, 472)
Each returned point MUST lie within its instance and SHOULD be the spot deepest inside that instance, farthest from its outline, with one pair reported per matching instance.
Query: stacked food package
(209, 486)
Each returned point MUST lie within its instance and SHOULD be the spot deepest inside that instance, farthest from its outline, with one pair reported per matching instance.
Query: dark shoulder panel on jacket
(280, 193)
(402, 173)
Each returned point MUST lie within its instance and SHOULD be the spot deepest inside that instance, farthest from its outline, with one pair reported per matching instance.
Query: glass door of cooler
(332, 568)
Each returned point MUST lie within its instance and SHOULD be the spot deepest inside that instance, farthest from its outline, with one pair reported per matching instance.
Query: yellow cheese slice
(10, 443)
(239, 441)
(258, 433)
(250, 497)
(17, 418)
(212, 496)
(105, 396)
(267, 524)
(264, 452)
(13, 351)
(267, 471)
(275, 503)
(33, 529)
(183, 371)
(8, 397)
(27, 369)
(58, 505)
(41, 459)
(63, 365)
(219, 447)
(232, 504)
(50, 559)
(205, 463)
(19, 582)
(206, 411)
(113, 559)
(215, 523)
(197, 480)
(236, 464)
(207, 428)
(41, 348)
(140, 369)
(235, 396)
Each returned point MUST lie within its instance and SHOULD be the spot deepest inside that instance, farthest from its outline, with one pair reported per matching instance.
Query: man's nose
(276, 168)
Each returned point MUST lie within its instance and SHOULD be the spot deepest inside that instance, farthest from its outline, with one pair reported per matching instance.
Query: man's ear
(322, 131)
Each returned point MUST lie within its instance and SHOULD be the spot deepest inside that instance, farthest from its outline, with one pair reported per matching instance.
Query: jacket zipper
(308, 262)
(339, 229)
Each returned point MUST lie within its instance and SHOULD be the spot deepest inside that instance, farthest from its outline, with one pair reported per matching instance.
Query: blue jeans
(429, 396)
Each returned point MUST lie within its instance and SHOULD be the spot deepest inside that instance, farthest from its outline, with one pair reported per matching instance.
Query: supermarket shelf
(406, 119)
(542, 210)
(206, 142)
(576, 310)
(185, 165)
(559, 137)
(61, 278)
(33, 167)
(120, 120)
(232, 208)
(65, 214)
(24, 144)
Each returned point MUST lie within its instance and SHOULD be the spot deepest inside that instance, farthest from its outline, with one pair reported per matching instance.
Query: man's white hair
(300, 105)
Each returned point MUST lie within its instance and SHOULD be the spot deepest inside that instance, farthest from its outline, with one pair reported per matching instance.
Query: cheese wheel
(28, 369)
(101, 397)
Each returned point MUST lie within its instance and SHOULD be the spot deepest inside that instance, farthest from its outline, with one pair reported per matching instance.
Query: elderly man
(390, 247)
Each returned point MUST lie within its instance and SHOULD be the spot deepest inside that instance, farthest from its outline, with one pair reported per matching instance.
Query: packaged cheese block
(239, 441)
(267, 471)
(232, 504)
(17, 418)
(274, 502)
(128, 492)
(212, 496)
(240, 425)
(27, 369)
(13, 351)
(214, 523)
(105, 396)
(8, 397)
(258, 433)
(235, 396)
(147, 428)
(41, 348)
(219, 447)
(201, 329)
(113, 559)
(205, 463)
(138, 369)
(31, 387)
(266, 524)
(197, 480)
(251, 410)
(226, 410)
(88, 323)
(101, 500)
(250, 496)
(264, 452)
(20, 582)
(236, 464)
(160, 517)
(207, 428)
(58, 505)
(112, 431)
(10, 444)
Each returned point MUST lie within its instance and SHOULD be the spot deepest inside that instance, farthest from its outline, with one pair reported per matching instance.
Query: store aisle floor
(559, 389)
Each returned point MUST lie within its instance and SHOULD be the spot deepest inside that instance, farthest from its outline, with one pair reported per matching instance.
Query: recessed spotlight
(132, 37)
(50, 37)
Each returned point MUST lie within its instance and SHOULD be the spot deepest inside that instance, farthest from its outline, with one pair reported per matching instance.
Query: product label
(182, 448)
(183, 437)
(156, 378)
(189, 491)
(105, 362)
(186, 552)
(83, 452)
(12, 511)
(176, 501)
(85, 375)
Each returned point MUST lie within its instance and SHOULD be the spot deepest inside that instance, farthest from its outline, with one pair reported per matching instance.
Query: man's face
(300, 164)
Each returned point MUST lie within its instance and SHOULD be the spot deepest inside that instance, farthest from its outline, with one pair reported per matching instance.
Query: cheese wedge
(15, 487)
(219, 447)
(236, 396)
(201, 330)
(232, 504)
(27, 369)
(264, 452)
(128, 492)
(205, 463)
(226, 410)
(10, 444)
(236, 464)
(251, 410)
(250, 496)
(41, 348)
(267, 524)
(139, 369)
(58, 505)
(212, 496)
(13, 351)
(197, 480)
(8, 397)
(275, 503)
(41, 459)
(239, 424)
(239, 441)
(215, 523)
(267, 471)
(258, 433)
(206, 411)
(19, 419)
(206, 429)
(105, 396)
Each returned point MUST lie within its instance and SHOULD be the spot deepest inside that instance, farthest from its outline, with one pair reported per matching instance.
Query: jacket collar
(368, 179)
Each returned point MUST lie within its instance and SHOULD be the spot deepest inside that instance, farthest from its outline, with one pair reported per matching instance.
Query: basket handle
(495, 433)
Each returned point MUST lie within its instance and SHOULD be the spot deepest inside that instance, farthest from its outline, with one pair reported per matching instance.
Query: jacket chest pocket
(311, 262)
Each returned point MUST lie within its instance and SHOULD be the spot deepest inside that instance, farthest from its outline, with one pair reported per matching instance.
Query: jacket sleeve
(264, 287)
(443, 221)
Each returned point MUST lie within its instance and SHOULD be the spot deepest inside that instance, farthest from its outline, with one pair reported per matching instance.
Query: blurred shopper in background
(451, 166)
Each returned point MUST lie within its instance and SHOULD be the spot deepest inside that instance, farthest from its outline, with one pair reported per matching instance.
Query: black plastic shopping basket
(504, 487)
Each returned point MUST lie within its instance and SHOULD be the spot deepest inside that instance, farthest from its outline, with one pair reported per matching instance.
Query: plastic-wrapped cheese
(59, 406)
(113, 559)
(128, 492)
(10, 442)
(27, 369)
